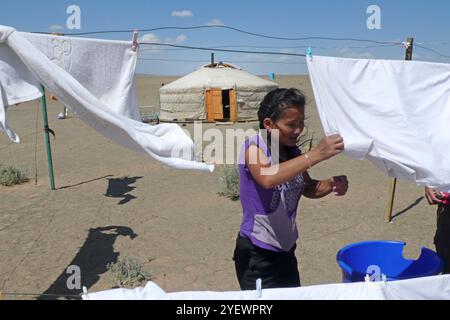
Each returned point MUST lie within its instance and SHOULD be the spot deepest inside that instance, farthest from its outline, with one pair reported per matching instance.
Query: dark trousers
(275, 269)
(442, 237)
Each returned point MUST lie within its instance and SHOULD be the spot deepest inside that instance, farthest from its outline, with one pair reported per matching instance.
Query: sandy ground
(112, 202)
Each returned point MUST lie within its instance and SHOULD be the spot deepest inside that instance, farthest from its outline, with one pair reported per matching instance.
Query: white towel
(17, 85)
(167, 143)
(339, 291)
(394, 113)
(151, 292)
(105, 67)
(427, 288)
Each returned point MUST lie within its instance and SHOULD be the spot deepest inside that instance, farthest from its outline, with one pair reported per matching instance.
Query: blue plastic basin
(385, 257)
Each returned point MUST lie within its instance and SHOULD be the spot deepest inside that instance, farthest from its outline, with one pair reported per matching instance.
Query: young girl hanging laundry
(271, 184)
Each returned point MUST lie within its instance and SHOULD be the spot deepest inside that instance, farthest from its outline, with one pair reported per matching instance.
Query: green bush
(10, 176)
(229, 181)
(128, 272)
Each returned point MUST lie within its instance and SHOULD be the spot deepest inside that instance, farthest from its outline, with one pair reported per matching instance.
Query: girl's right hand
(329, 147)
(432, 196)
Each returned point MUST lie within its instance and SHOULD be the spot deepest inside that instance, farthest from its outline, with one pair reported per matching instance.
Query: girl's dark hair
(278, 100)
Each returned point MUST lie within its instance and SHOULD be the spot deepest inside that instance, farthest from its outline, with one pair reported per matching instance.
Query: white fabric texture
(427, 288)
(17, 84)
(105, 67)
(167, 143)
(393, 113)
(151, 292)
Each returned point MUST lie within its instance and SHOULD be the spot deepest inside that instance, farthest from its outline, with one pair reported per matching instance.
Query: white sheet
(428, 288)
(394, 113)
(167, 143)
(105, 67)
(17, 85)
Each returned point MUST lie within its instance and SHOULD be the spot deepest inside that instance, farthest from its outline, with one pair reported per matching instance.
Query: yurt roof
(220, 75)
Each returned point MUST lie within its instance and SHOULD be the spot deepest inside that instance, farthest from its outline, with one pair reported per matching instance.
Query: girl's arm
(269, 176)
(315, 189)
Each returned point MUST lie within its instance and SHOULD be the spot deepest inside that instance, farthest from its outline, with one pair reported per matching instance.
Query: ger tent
(214, 92)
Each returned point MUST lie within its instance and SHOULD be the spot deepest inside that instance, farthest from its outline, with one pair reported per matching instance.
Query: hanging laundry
(105, 67)
(393, 113)
(102, 107)
(425, 288)
(17, 85)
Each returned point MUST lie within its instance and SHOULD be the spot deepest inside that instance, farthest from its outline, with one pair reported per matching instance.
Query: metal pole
(47, 140)
(393, 181)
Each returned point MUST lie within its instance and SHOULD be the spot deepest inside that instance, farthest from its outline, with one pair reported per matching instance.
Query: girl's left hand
(339, 185)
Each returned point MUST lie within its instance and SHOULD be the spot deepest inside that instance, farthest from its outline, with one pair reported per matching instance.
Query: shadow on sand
(92, 259)
(418, 200)
(120, 188)
(85, 182)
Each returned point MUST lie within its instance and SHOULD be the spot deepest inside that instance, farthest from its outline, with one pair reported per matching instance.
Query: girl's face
(290, 126)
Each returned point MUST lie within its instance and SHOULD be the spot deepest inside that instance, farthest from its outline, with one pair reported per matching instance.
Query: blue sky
(427, 21)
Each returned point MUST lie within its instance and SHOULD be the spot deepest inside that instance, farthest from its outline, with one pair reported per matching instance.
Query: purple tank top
(268, 214)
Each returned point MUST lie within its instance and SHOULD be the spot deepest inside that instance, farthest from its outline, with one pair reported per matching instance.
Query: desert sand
(112, 202)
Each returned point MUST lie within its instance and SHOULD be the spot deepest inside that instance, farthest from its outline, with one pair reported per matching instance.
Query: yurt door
(221, 104)
(214, 108)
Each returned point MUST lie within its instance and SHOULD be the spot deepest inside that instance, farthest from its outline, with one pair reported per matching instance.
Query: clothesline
(421, 45)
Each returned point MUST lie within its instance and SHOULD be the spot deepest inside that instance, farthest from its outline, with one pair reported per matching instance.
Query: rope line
(255, 34)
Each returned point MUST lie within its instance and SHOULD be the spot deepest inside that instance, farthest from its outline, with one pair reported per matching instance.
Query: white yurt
(214, 92)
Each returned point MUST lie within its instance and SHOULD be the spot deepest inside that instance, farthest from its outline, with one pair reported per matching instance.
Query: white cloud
(149, 37)
(215, 22)
(180, 39)
(153, 38)
(55, 27)
(182, 14)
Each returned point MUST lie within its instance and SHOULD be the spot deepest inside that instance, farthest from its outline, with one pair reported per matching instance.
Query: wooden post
(409, 49)
(393, 181)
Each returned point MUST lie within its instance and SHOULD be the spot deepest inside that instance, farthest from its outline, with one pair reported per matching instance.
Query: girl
(270, 191)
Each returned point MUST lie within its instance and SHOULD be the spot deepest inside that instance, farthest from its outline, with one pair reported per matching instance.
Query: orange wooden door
(214, 107)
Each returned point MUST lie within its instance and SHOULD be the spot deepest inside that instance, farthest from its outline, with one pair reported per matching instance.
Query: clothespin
(258, 289)
(135, 40)
(309, 53)
(406, 45)
(85, 292)
(384, 278)
(367, 278)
